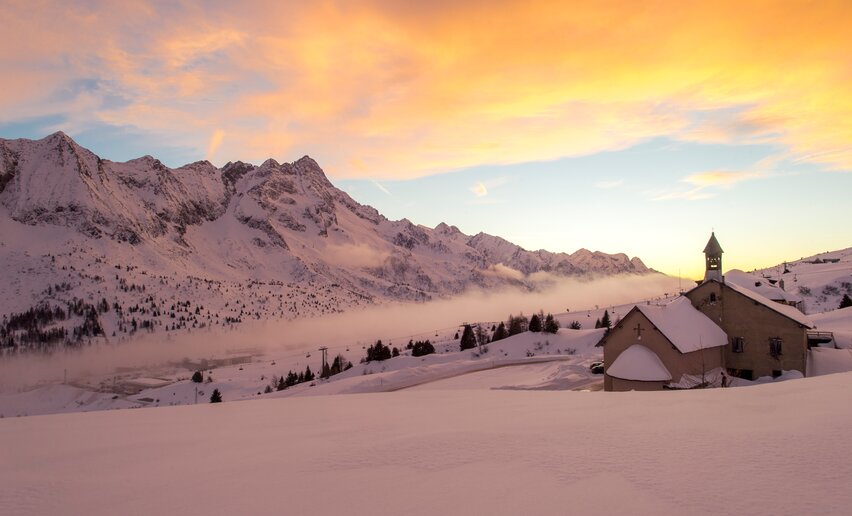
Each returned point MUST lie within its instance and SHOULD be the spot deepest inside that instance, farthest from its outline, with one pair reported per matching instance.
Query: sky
(635, 127)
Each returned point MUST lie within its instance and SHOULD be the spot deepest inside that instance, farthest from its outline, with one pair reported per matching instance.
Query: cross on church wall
(639, 329)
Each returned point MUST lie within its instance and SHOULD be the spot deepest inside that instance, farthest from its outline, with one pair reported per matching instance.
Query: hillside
(104, 249)
(820, 280)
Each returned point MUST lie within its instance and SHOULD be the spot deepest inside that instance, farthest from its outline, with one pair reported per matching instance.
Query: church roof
(639, 363)
(686, 327)
(713, 246)
(787, 311)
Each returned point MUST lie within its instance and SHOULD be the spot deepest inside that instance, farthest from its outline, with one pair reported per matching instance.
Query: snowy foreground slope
(775, 449)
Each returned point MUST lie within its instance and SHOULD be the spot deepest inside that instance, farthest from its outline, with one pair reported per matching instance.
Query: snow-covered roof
(760, 285)
(687, 328)
(639, 363)
(785, 310)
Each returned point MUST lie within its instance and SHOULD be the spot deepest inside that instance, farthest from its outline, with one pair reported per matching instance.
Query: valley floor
(769, 449)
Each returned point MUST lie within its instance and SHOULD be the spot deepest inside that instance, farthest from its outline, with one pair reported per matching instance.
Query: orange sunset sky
(630, 127)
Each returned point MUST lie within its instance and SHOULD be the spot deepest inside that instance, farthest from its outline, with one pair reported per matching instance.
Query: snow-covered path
(778, 449)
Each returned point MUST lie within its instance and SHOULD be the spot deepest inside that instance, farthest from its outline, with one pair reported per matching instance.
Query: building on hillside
(673, 346)
(769, 288)
(718, 329)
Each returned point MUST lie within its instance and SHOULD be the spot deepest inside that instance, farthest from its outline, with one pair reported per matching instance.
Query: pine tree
(535, 323)
(197, 377)
(468, 339)
(309, 376)
(216, 397)
(500, 333)
(282, 384)
(551, 325)
(597, 323)
(846, 301)
(605, 322)
(575, 325)
(517, 324)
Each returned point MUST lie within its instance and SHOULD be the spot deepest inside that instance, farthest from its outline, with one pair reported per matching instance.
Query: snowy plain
(773, 449)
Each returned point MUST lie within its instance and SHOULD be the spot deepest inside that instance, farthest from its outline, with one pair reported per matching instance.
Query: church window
(712, 297)
(737, 344)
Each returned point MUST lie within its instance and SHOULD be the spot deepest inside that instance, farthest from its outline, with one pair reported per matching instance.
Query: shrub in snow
(575, 325)
(846, 301)
(422, 348)
(197, 377)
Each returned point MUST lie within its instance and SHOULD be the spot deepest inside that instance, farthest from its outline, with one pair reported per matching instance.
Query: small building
(673, 346)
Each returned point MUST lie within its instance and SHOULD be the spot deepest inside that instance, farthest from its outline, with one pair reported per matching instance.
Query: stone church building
(715, 331)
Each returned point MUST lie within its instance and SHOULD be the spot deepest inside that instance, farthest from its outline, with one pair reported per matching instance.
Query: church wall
(740, 316)
(623, 335)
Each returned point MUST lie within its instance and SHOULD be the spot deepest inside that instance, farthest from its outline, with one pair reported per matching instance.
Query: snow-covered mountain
(279, 236)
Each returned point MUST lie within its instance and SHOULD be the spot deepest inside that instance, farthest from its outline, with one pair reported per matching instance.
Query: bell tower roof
(713, 247)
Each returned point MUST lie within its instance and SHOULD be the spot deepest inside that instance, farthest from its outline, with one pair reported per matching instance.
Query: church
(713, 332)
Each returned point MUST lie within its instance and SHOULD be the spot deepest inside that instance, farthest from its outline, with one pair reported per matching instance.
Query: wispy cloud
(382, 188)
(479, 190)
(721, 178)
(606, 185)
(706, 184)
(215, 142)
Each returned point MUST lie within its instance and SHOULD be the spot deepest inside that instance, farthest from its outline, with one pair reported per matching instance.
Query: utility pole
(324, 370)
(196, 395)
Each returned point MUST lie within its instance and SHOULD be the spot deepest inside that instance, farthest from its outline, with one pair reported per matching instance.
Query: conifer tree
(535, 323)
(551, 325)
(500, 333)
(605, 322)
(216, 397)
(468, 339)
(846, 301)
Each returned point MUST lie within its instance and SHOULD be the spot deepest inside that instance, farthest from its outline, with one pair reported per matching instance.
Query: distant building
(718, 329)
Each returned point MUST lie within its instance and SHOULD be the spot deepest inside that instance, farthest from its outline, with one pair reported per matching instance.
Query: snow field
(717, 451)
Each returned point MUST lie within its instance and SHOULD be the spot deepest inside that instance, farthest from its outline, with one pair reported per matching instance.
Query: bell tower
(713, 259)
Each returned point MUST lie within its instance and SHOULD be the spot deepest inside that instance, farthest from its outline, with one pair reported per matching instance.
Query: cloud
(381, 187)
(609, 184)
(705, 184)
(355, 255)
(393, 323)
(504, 271)
(720, 178)
(215, 142)
(415, 91)
(479, 190)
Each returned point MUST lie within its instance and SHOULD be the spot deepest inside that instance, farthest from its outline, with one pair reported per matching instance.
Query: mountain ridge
(282, 224)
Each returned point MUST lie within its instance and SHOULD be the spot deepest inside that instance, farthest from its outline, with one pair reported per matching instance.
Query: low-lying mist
(392, 321)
